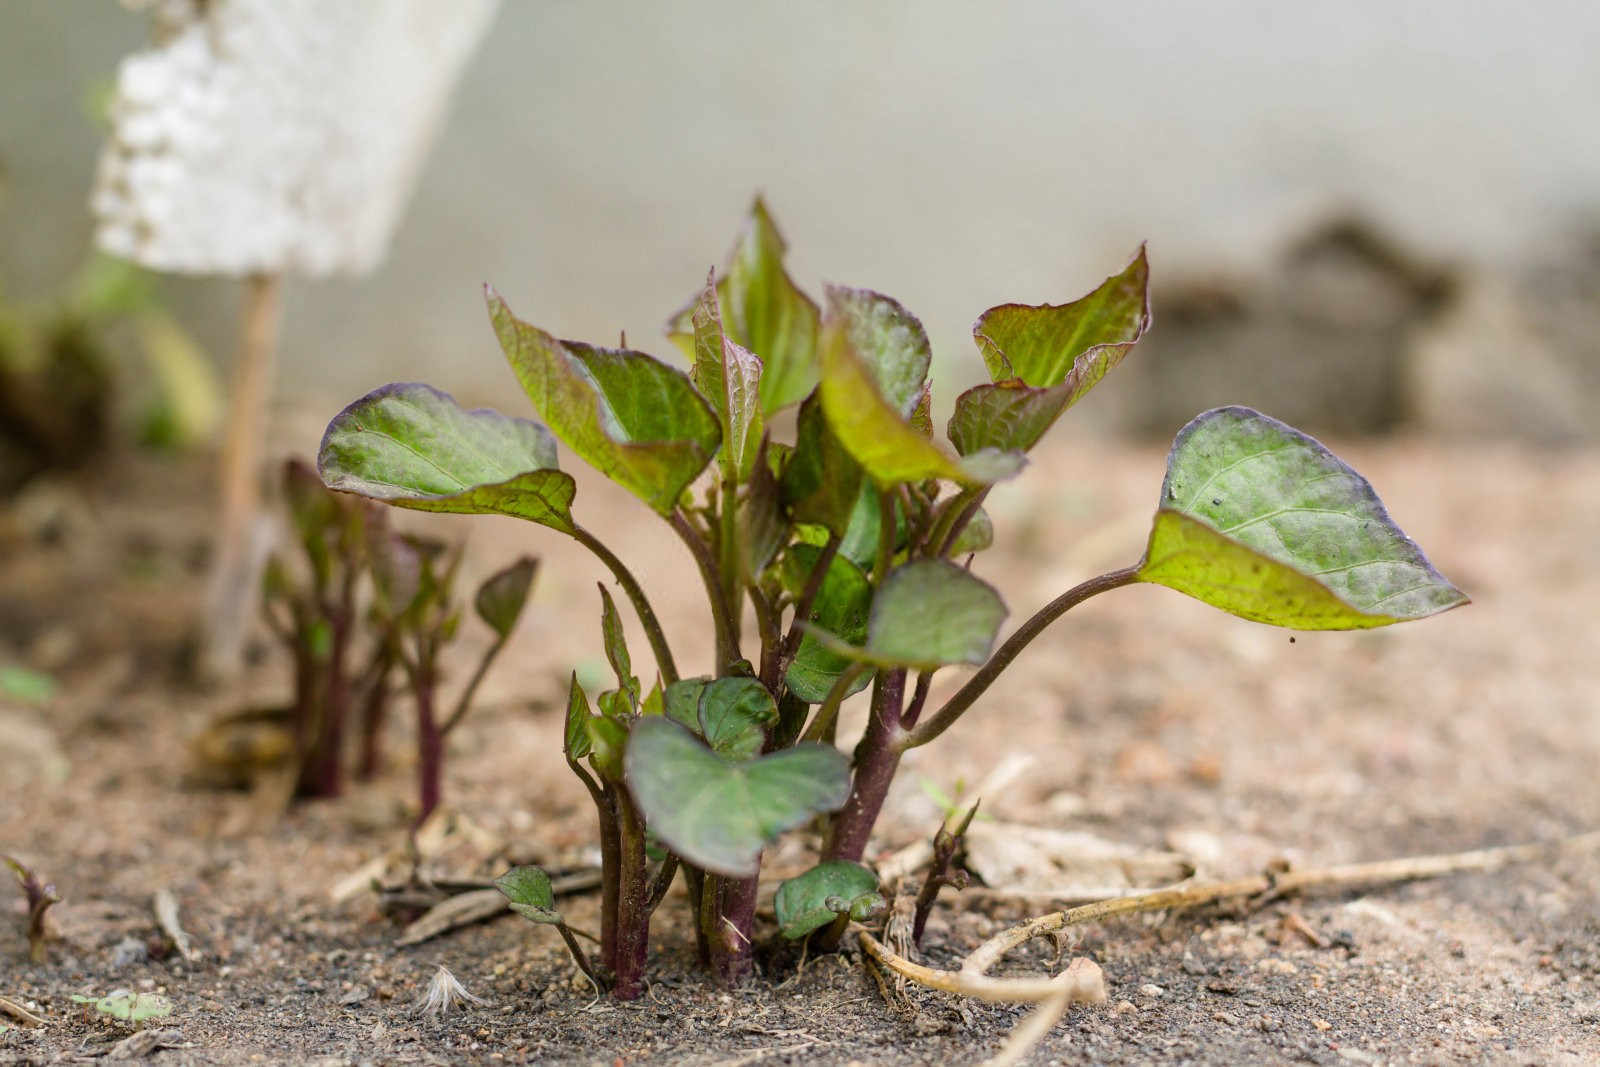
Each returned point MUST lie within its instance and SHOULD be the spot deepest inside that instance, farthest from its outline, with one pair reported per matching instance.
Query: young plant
(411, 618)
(315, 617)
(416, 617)
(39, 895)
(839, 550)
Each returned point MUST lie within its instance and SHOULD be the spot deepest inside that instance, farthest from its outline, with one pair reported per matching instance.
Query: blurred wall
(955, 155)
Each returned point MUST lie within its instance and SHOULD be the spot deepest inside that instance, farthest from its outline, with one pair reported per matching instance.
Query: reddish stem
(877, 759)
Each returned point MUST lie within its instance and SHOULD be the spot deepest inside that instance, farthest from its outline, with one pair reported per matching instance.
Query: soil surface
(1144, 718)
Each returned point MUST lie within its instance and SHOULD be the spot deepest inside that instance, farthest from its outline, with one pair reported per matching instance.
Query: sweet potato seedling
(840, 560)
(39, 895)
(411, 617)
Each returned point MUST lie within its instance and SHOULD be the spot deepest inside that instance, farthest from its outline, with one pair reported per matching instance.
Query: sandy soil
(1149, 719)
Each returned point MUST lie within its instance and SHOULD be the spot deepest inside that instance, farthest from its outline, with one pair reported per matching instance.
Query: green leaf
(608, 740)
(765, 312)
(733, 716)
(889, 340)
(578, 716)
(128, 1006)
(803, 902)
(977, 535)
(501, 597)
(528, 893)
(872, 424)
(929, 613)
(763, 528)
(1044, 359)
(719, 814)
(412, 446)
(682, 700)
(655, 702)
(728, 375)
(1262, 521)
(1047, 345)
(822, 482)
(27, 686)
(617, 646)
(631, 417)
(841, 608)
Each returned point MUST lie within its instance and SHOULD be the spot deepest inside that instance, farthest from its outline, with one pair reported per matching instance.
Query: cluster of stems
(913, 524)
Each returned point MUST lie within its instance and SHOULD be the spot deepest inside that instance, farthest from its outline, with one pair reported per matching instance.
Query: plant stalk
(732, 941)
(464, 704)
(641, 604)
(876, 760)
(430, 740)
(721, 617)
(633, 902)
(964, 697)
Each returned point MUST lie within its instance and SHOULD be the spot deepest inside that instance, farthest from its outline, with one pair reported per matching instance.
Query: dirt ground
(1147, 719)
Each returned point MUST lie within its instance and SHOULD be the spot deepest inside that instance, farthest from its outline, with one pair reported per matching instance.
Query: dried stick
(1055, 995)
(233, 577)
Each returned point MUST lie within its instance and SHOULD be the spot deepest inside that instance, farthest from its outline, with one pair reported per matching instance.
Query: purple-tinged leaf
(633, 418)
(871, 423)
(764, 312)
(727, 374)
(1048, 344)
(1044, 359)
(412, 446)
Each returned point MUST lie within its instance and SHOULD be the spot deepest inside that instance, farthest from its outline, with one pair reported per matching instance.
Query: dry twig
(1055, 995)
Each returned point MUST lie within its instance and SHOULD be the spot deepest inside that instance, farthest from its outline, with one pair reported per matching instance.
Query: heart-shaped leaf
(528, 893)
(503, 594)
(728, 375)
(633, 418)
(1045, 358)
(869, 422)
(733, 716)
(410, 445)
(928, 613)
(719, 814)
(840, 608)
(806, 902)
(1262, 521)
(764, 312)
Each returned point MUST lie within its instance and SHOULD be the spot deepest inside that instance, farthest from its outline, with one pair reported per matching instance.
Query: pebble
(1151, 990)
(1273, 965)
(128, 951)
(1125, 1007)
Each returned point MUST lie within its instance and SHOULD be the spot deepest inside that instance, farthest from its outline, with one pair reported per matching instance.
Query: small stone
(1322, 1024)
(1274, 965)
(356, 995)
(129, 950)
(1125, 1007)
(1151, 990)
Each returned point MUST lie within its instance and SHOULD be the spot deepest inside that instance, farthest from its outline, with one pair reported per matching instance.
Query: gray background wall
(955, 155)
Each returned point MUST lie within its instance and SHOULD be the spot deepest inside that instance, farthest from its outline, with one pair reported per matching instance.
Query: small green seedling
(832, 894)
(949, 845)
(39, 895)
(848, 546)
(127, 1006)
(528, 893)
(412, 616)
